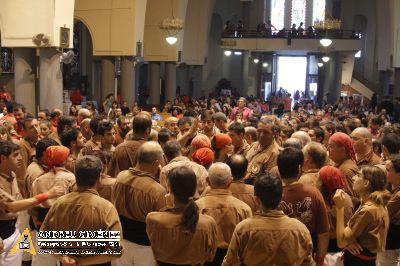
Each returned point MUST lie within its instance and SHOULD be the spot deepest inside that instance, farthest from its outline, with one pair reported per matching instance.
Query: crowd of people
(218, 181)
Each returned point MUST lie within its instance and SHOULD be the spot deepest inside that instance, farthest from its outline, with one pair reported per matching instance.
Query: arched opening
(6, 67)
(78, 71)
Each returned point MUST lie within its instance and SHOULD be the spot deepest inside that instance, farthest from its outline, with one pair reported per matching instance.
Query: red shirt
(306, 204)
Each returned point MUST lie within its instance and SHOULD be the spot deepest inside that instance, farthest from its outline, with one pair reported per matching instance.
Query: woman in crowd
(331, 180)
(221, 144)
(181, 235)
(365, 234)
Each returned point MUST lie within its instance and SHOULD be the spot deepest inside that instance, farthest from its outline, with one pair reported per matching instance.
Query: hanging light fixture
(325, 42)
(265, 64)
(172, 26)
(256, 60)
(320, 64)
(228, 53)
(171, 40)
(326, 59)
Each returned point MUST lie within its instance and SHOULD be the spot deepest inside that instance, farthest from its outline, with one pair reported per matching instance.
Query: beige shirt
(33, 171)
(261, 161)
(227, 212)
(163, 229)
(28, 152)
(58, 176)
(105, 187)
(137, 193)
(124, 156)
(245, 193)
(82, 210)
(199, 170)
(349, 169)
(270, 238)
(369, 225)
(89, 145)
(242, 150)
(369, 159)
(8, 192)
(310, 177)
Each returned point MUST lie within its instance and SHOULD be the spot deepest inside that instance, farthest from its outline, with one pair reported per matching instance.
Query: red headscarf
(332, 179)
(344, 140)
(203, 156)
(222, 140)
(55, 155)
(201, 141)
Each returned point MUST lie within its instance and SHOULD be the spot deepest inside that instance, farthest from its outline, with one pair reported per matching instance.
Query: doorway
(292, 73)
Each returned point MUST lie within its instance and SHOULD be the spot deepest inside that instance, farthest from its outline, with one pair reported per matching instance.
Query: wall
(115, 25)
(368, 9)
(39, 16)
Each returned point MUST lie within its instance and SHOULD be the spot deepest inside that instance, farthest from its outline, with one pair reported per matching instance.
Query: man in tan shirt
(263, 154)
(11, 202)
(239, 189)
(362, 142)
(73, 140)
(125, 154)
(137, 193)
(269, 237)
(240, 145)
(84, 210)
(226, 210)
(172, 151)
(27, 144)
(37, 168)
(315, 157)
(341, 152)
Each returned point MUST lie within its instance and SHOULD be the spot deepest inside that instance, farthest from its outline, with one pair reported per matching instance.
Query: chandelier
(328, 24)
(172, 26)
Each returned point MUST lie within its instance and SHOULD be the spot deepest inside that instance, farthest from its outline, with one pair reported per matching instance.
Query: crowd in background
(227, 180)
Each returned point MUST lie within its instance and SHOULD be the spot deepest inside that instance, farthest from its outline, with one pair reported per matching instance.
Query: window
(318, 11)
(298, 12)
(278, 14)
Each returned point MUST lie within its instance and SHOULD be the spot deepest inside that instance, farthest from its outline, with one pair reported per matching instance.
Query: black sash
(393, 237)
(134, 231)
(7, 228)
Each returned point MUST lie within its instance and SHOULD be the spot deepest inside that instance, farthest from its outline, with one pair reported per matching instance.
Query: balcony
(283, 42)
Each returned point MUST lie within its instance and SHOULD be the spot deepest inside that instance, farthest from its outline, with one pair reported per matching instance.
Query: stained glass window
(319, 10)
(278, 14)
(298, 12)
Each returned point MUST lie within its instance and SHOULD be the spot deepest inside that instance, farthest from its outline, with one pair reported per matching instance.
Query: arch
(360, 23)
(80, 19)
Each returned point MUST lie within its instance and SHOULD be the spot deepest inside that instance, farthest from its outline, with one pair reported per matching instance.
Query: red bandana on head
(344, 140)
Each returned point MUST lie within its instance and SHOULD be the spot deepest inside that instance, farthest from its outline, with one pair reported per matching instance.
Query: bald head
(83, 113)
(149, 153)
(302, 136)
(238, 164)
(141, 124)
(293, 142)
(219, 175)
(362, 132)
(362, 140)
(317, 153)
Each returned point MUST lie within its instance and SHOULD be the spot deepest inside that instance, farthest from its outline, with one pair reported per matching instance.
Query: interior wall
(367, 8)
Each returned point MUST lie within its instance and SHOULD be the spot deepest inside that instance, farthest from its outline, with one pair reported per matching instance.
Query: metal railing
(283, 34)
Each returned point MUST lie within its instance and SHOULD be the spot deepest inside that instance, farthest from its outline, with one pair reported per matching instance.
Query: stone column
(384, 83)
(128, 91)
(170, 81)
(24, 77)
(333, 77)
(51, 83)
(107, 77)
(396, 87)
(154, 82)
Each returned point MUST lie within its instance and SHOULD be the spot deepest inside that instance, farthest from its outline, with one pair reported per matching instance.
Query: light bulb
(320, 64)
(256, 60)
(171, 40)
(265, 64)
(228, 53)
(325, 42)
(326, 59)
(238, 53)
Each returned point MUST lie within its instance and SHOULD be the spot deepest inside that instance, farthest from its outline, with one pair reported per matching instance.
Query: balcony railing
(283, 34)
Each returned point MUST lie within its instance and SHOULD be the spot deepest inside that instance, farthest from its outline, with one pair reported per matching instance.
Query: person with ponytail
(180, 235)
(366, 232)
